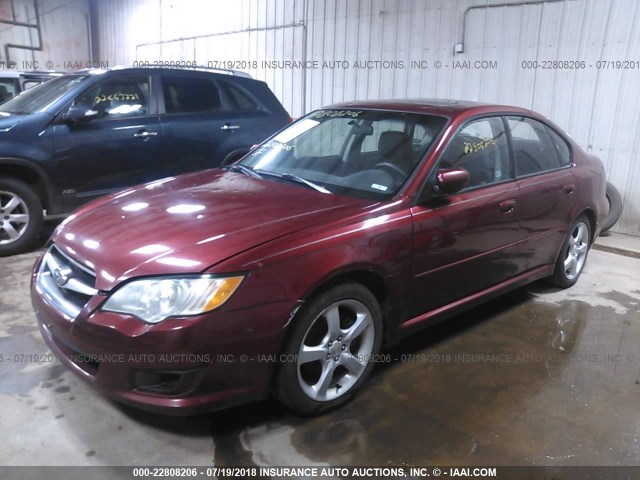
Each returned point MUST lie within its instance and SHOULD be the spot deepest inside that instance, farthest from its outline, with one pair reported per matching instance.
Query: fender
(52, 202)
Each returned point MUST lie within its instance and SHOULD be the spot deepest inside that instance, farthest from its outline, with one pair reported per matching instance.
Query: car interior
(8, 89)
(370, 155)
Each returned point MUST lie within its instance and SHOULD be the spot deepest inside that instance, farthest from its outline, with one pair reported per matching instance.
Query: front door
(117, 149)
(467, 242)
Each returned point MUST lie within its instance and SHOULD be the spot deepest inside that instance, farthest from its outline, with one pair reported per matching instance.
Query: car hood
(189, 223)
(9, 120)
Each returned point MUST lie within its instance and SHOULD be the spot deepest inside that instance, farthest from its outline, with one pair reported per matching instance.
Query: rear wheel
(615, 207)
(573, 254)
(20, 216)
(334, 338)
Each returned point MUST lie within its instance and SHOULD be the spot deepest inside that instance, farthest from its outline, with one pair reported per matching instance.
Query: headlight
(155, 299)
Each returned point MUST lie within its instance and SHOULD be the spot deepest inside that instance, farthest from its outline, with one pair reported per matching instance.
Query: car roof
(433, 106)
(5, 74)
(32, 74)
(138, 69)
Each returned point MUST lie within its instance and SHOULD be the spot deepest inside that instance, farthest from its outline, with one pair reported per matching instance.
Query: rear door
(547, 188)
(468, 242)
(199, 127)
(260, 110)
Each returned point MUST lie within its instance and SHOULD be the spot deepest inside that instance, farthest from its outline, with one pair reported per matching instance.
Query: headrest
(393, 143)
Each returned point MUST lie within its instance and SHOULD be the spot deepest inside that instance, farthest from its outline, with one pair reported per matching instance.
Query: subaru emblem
(61, 276)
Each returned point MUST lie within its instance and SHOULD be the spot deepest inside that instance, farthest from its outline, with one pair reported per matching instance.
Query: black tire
(232, 158)
(288, 384)
(33, 206)
(615, 208)
(562, 276)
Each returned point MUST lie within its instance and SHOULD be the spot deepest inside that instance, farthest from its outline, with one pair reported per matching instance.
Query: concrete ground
(538, 377)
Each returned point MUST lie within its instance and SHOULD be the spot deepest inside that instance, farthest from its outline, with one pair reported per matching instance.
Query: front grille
(65, 283)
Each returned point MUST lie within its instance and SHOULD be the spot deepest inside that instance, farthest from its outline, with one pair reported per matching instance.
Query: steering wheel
(392, 168)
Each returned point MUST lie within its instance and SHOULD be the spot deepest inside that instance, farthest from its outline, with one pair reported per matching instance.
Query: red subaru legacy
(288, 271)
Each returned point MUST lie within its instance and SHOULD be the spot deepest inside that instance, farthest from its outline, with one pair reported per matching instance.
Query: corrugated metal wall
(64, 28)
(599, 107)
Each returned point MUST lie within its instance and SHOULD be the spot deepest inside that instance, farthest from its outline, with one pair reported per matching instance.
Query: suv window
(481, 148)
(240, 99)
(9, 88)
(119, 97)
(190, 95)
(532, 147)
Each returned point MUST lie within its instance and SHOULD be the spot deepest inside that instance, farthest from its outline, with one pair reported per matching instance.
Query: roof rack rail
(186, 66)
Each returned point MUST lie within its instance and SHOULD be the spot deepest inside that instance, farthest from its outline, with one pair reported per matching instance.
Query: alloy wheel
(14, 217)
(335, 350)
(576, 251)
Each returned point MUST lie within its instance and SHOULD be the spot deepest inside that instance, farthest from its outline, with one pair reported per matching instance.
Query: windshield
(41, 96)
(365, 153)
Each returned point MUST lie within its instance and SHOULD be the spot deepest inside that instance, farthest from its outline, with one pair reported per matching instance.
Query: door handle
(508, 206)
(569, 188)
(145, 134)
(226, 126)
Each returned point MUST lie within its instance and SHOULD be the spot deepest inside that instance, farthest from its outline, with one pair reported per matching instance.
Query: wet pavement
(537, 377)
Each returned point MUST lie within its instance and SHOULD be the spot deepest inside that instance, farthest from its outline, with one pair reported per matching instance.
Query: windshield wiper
(304, 181)
(286, 176)
(236, 167)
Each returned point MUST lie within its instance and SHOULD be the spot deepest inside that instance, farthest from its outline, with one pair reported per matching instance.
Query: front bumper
(179, 366)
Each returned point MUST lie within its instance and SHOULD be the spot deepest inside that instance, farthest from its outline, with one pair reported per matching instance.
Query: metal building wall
(598, 107)
(65, 31)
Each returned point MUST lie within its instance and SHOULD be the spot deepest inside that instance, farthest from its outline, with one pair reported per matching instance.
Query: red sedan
(288, 271)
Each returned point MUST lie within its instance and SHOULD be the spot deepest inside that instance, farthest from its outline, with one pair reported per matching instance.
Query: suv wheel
(331, 347)
(20, 216)
(573, 254)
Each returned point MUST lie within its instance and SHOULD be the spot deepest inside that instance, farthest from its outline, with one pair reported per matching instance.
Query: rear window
(533, 149)
(564, 154)
(240, 99)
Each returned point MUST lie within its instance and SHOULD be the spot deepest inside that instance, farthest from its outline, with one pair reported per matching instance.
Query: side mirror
(79, 113)
(451, 180)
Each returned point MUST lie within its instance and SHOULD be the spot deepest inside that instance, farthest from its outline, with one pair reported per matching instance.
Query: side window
(240, 99)
(481, 148)
(120, 97)
(190, 95)
(532, 147)
(9, 88)
(564, 154)
(27, 84)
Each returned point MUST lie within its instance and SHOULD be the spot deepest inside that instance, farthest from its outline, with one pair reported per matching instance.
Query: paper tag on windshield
(379, 187)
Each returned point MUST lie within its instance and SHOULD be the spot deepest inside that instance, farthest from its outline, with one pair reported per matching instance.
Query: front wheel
(573, 254)
(334, 340)
(20, 216)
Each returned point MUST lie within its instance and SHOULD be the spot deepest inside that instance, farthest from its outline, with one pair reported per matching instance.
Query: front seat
(396, 153)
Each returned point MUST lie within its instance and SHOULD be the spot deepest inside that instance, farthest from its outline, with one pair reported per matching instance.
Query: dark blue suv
(89, 133)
